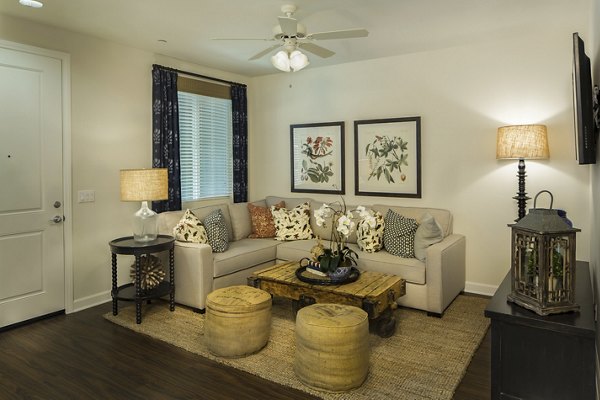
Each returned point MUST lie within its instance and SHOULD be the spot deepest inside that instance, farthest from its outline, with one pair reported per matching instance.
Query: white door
(32, 267)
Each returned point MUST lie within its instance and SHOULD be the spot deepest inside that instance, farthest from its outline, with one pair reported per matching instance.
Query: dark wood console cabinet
(545, 358)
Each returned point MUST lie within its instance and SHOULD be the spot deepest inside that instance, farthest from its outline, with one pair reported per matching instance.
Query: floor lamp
(522, 142)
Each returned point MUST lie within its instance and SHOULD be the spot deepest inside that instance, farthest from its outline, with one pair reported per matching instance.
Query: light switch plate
(86, 196)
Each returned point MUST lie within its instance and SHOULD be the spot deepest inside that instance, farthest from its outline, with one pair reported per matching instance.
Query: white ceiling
(395, 26)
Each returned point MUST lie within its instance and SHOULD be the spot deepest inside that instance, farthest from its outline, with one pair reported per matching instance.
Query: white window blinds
(205, 146)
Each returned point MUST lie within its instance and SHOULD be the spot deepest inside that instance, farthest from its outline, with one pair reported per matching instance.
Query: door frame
(65, 61)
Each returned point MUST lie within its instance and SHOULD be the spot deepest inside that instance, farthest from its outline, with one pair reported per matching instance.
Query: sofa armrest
(194, 271)
(445, 272)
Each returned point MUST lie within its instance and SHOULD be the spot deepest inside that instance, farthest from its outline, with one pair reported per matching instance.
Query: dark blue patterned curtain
(165, 134)
(239, 110)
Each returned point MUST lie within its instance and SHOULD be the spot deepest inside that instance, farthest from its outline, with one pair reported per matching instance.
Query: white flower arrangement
(345, 219)
(343, 222)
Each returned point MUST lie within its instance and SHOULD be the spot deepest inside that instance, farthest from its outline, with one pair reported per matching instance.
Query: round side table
(133, 291)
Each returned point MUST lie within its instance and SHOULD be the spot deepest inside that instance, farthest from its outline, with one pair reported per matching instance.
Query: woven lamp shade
(144, 184)
(522, 142)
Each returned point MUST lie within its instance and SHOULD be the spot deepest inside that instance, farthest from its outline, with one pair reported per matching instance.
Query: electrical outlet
(86, 196)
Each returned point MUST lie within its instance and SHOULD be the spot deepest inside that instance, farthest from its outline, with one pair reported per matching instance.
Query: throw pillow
(216, 228)
(370, 239)
(399, 235)
(429, 232)
(262, 220)
(190, 229)
(292, 224)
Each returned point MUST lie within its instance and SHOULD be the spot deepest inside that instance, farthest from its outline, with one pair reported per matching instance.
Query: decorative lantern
(543, 261)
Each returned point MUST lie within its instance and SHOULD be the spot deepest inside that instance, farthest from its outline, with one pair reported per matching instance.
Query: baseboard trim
(91, 301)
(480, 288)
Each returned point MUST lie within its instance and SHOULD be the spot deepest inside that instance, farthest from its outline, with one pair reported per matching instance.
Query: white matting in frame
(317, 157)
(387, 156)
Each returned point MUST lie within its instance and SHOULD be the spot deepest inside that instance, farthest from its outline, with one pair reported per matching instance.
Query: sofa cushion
(399, 234)
(410, 269)
(429, 232)
(216, 228)
(263, 225)
(167, 221)
(190, 229)
(292, 224)
(240, 220)
(243, 254)
(298, 249)
(443, 217)
(290, 202)
(370, 239)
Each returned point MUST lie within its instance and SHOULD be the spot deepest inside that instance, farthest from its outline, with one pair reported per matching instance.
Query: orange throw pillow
(262, 221)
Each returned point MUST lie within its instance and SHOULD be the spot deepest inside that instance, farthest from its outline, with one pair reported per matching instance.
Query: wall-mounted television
(584, 104)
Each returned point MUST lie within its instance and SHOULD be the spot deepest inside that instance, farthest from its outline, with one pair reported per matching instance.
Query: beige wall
(111, 127)
(463, 95)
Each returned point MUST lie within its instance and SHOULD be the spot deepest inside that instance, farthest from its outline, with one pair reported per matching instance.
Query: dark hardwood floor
(83, 356)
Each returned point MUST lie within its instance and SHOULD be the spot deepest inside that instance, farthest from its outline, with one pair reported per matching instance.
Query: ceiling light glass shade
(281, 61)
(31, 3)
(298, 60)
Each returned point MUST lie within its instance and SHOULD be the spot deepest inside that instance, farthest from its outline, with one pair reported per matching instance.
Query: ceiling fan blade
(263, 53)
(289, 26)
(343, 34)
(261, 39)
(317, 50)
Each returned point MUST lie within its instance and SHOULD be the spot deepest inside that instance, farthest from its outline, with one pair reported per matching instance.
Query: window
(205, 130)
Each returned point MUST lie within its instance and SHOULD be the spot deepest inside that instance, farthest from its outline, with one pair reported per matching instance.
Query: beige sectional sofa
(430, 285)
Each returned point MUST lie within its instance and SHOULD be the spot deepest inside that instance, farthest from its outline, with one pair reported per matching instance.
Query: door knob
(57, 204)
(57, 219)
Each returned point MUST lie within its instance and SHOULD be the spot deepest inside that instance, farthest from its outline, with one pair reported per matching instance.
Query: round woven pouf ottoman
(332, 346)
(238, 321)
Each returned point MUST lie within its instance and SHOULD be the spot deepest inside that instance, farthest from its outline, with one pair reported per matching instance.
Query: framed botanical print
(317, 157)
(387, 157)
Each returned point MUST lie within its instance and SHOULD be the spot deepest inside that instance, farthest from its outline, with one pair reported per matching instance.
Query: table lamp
(522, 142)
(144, 185)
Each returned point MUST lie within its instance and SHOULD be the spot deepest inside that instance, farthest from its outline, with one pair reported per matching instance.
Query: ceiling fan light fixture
(298, 60)
(31, 3)
(281, 61)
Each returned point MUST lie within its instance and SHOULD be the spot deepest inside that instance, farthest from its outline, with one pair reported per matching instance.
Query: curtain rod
(198, 75)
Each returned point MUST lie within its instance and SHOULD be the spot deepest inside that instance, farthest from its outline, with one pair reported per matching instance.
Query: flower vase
(342, 271)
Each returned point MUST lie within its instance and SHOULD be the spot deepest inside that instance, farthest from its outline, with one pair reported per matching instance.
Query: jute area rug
(425, 359)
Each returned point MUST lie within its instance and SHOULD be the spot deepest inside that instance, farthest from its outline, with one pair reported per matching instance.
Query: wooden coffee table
(374, 292)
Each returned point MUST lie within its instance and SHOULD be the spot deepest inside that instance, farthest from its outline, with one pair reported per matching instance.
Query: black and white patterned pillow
(190, 229)
(399, 235)
(292, 224)
(216, 229)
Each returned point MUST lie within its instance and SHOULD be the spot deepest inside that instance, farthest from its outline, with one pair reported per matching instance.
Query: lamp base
(521, 196)
(145, 224)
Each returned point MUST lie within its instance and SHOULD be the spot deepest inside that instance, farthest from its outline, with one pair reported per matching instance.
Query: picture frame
(387, 157)
(317, 158)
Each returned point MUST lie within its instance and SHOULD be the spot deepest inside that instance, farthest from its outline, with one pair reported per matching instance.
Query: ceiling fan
(291, 36)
